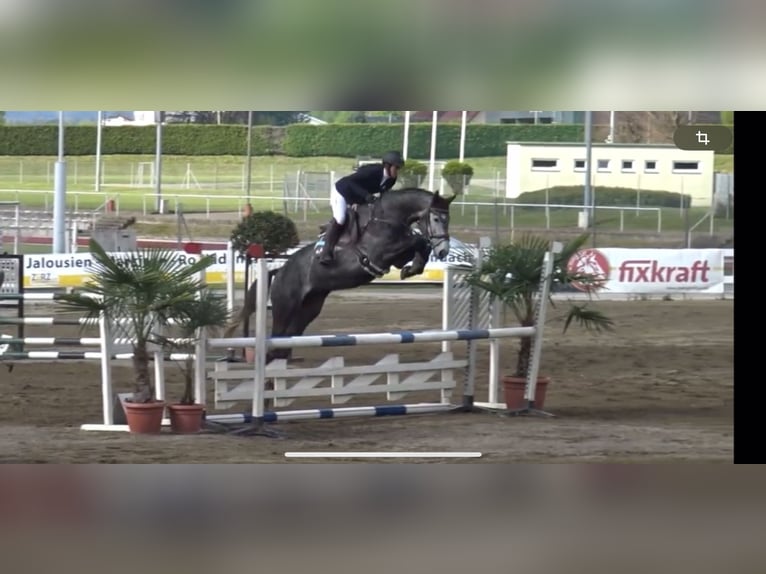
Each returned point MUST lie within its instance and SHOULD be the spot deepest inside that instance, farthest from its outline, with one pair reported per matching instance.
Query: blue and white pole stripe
(402, 337)
(330, 413)
(54, 321)
(79, 355)
(71, 341)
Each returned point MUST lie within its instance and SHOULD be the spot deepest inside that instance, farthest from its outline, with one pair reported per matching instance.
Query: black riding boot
(330, 240)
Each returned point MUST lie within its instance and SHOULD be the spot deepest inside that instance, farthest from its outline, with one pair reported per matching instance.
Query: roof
(593, 144)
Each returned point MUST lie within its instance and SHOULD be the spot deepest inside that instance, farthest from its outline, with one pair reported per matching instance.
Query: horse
(400, 229)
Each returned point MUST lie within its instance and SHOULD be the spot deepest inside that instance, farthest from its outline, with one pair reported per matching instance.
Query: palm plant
(207, 310)
(146, 291)
(513, 272)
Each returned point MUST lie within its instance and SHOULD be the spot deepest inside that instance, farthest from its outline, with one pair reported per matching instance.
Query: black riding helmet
(393, 158)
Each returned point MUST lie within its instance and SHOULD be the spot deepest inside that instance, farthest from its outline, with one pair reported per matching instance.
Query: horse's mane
(440, 201)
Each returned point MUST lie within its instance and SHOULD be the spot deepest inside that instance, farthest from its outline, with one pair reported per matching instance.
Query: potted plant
(458, 175)
(207, 311)
(138, 296)
(412, 173)
(512, 274)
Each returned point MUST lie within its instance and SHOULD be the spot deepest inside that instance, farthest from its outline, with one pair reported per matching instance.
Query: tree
(650, 127)
(2, 118)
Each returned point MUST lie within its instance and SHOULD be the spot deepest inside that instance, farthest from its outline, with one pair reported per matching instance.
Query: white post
(611, 127)
(463, 121)
(73, 237)
(406, 143)
(200, 366)
(537, 344)
(447, 304)
(106, 371)
(262, 276)
(159, 375)
(230, 276)
(199, 353)
(99, 126)
(432, 167)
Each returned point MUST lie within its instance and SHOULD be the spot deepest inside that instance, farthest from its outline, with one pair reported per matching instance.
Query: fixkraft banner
(46, 271)
(651, 271)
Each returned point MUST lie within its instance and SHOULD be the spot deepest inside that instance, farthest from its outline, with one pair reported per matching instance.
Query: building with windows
(535, 166)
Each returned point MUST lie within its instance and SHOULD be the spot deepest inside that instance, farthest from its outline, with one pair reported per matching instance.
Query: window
(686, 167)
(603, 165)
(650, 166)
(627, 166)
(545, 165)
(579, 165)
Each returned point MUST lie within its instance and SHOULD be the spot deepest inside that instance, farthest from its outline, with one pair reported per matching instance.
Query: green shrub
(605, 196)
(412, 173)
(275, 231)
(457, 174)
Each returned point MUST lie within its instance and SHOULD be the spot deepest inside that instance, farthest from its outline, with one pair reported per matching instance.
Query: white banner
(657, 271)
(47, 271)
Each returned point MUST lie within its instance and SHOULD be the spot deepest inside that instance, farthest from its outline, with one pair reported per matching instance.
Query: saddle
(352, 230)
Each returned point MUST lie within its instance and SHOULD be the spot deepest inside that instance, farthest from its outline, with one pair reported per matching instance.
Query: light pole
(432, 168)
(249, 156)
(585, 222)
(158, 164)
(100, 121)
(59, 195)
(406, 142)
(463, 121)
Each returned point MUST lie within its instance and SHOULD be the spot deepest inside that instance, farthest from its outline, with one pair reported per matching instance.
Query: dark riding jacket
(357, 187)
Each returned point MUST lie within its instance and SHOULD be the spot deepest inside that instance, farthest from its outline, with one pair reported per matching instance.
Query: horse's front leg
(419, 261)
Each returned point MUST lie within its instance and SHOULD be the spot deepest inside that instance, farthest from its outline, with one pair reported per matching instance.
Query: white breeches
(338, 205)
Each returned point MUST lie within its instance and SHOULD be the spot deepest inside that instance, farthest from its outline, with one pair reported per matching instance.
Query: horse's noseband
(442, 214)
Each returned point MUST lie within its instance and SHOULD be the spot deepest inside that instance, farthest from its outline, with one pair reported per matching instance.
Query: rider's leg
(338, 205)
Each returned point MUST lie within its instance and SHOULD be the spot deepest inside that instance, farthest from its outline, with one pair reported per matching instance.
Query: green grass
(186, 179)
(29, 181)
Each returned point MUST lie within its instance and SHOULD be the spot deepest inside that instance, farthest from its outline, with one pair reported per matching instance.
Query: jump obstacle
(468, 315)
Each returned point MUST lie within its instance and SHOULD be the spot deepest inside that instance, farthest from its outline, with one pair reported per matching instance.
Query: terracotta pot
(514, 388)
(247, 210)
(186, 418)
(145, 418)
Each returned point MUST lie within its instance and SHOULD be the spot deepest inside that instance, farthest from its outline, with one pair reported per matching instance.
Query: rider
(357, 188)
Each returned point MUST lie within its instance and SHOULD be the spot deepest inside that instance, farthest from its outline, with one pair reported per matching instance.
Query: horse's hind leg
(309, 310)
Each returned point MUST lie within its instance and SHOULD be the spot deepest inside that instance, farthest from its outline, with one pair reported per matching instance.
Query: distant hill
(43, 117)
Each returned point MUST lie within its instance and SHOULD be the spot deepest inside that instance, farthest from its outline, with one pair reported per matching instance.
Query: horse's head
(434, 224)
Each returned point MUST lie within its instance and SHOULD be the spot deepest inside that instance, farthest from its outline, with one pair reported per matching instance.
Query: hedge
(483, 140)
(608, 196)
(176, 140)
(297, 140)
